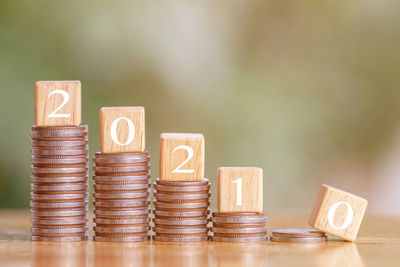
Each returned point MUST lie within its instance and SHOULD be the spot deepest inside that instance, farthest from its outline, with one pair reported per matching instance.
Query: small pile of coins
(298, 236)
(181, 210)
(121, 196)
(59, 197)
(239, 227)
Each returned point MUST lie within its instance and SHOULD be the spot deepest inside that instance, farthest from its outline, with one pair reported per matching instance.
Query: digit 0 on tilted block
(122, 129)
(240, 189)
(181, 157)
(58, 103)
(338, 213)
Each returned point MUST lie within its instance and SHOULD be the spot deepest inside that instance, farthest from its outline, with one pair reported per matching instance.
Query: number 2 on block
(238, 183)
(189, 151)
(65, 96)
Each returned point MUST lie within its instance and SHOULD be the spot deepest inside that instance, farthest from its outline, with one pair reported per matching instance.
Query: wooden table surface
(378, 244)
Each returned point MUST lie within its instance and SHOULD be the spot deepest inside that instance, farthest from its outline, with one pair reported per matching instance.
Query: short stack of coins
(298, 236)
(59, 189)
(121, 196)
(239, 227)
(181, 210)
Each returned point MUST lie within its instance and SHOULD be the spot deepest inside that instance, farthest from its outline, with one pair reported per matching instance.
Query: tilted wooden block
(338, 213)
(122, 129)
(58, 103)
(181, 157)
(240, 189)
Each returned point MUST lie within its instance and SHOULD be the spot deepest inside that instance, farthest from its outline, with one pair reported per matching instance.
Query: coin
(180, 197)
(237, 225)
(180, 238)
(41, 160)
(182, 183)
(58, 170)
(120, 155)
(183, 189)
(181, 231)
(239, 239)
(102, 169)
(57, 180)
(124, 187)
(59, 213)
(82, 128)
(121, 204)
(128, 212)
(196, 213)
(298, 233)
(120, 160)
(46, 143)
(57, 205)
(67, 152)
(39, 231)
(115, 179)
(121, 238)
(65, 187)
(180, 221)
(60, 239)
(216, 230)
(120, 230)
(59, 221)
(120, 195)
(313, 239)
(175, 206)
(121, 221)
(235, 214)
(240, 220)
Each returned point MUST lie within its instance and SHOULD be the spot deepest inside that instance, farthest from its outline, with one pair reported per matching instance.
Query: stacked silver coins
(59, 188)
(298, 236)
(181, 211)
(121, 196)
(239, 227)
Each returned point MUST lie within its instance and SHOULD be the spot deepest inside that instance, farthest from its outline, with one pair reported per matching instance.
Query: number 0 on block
(240, 189)
(122, 129)
(181, 157)
(58, 103)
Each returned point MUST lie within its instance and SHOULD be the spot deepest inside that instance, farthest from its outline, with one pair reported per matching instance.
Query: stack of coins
(181, 210)
(59, 183)
(239, 227)
(121, 196)
(298, 236)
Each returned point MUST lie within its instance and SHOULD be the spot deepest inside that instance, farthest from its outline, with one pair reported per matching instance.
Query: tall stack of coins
(59, 197)
(121, 196)
(239, 227)
(298, 236)
(181, 210)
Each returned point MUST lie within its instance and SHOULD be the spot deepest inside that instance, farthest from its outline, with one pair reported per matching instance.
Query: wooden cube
(240, 189)
(58, 103)
(338, 213)
(181, 157)
(122, 129)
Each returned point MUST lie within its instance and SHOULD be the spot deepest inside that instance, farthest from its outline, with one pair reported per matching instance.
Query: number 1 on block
(122, 129)
(181, 157)
(58, 103)
(240, 189)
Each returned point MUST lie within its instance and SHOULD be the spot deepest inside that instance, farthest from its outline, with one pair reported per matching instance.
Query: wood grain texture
(126, 138)
(49, 96)
(338, 213)
(378, 244)
(174, 151)
(252, 189)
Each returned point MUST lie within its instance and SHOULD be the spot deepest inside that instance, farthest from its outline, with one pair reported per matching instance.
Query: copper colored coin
(182, 183)
(64, 221)
(180, 231)
(180, 238)
(180, 197)
(183, 189)
(121, 203)
(54, 180)
(59, 213)
(120, 230)
(64, 187)
(240, 220)
(60, 239)
(314, 239)
(59, 152)
(121, 160)
(114, 179)
(173, 206)
(236, 214)
(52, 197)
(239, 230)
(40, 160)
(103, 169)
(181, 213)
(39, 143)
(238, 225)
(121, 238)
(239, 235)
(41, 231)
(56, 205)
(82, 128)
(102, 221)
(298, 233)
(124, 187)
(175, 221)
(116, 213)
(239, 239)
(121, 195)
(56, 226)
(59, 170)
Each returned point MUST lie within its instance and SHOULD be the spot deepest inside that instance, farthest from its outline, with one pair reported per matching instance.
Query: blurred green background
(307, 90)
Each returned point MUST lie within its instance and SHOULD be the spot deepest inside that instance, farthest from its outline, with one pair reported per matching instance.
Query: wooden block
(181, 157)
(338, 213)
(240, 189)
(122, 129)
(58, 103)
